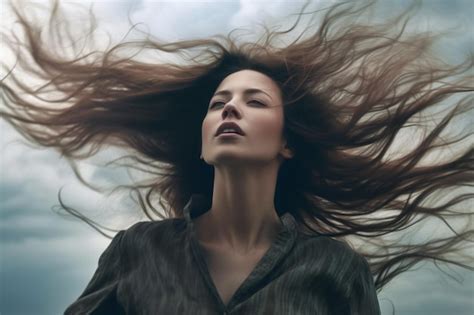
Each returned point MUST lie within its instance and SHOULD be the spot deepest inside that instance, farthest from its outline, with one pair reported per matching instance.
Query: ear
(286, 152)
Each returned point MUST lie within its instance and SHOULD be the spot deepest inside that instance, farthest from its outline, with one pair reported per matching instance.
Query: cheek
(269, 127)
(206, 129)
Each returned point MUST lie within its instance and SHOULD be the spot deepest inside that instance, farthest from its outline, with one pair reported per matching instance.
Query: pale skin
(242, 222)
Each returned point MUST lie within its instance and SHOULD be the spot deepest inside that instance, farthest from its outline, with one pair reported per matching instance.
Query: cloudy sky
(46, 260)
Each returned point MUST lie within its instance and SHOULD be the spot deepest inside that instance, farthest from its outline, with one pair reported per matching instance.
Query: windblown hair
(348, 89)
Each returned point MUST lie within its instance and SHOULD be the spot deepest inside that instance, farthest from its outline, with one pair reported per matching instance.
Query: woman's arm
(99, 297)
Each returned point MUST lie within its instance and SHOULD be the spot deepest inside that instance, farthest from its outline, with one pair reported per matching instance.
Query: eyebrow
(246, 92)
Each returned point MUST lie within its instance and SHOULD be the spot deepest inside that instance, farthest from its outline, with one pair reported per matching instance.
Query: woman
(267, 220)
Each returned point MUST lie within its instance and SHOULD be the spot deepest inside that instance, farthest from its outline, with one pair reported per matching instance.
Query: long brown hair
(348, 88)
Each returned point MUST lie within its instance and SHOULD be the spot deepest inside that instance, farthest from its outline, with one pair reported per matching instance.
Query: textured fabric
(159, 268)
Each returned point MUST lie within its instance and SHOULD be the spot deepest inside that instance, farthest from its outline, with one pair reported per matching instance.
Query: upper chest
(228, 269)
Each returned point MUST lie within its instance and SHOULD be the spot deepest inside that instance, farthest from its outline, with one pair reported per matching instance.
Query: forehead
(245, 79)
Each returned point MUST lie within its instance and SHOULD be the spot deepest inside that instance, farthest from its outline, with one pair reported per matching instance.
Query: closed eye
(214, 104)
(252, 101)
(260, 103)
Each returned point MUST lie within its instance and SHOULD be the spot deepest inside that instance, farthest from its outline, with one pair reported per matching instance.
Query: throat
(214, 241)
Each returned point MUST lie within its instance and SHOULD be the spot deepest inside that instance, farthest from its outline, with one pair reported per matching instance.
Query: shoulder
(330, 251)
(324, 257)
(145, 233)
(161, 226)
(323, 242)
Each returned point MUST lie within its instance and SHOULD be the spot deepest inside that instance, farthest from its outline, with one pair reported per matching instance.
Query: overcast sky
(47, 260)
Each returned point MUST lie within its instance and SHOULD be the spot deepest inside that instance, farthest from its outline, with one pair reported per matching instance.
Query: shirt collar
(280, 247)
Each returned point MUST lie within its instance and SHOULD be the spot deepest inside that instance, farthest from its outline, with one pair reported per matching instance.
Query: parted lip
(229, 125)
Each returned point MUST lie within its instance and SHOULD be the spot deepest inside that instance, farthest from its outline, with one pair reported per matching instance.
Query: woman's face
(258, 113)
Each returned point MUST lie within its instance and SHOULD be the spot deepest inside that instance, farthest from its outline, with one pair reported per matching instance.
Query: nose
(230, 109)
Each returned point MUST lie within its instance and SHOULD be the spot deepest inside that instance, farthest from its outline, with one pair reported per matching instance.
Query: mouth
(229, 128)
(228, 134)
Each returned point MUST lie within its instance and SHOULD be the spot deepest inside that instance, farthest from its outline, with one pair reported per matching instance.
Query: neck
(242, 217)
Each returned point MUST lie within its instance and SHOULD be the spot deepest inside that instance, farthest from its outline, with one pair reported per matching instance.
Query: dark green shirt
(159, 268)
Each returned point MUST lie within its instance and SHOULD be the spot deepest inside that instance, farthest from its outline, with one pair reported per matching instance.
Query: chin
(228, 158)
